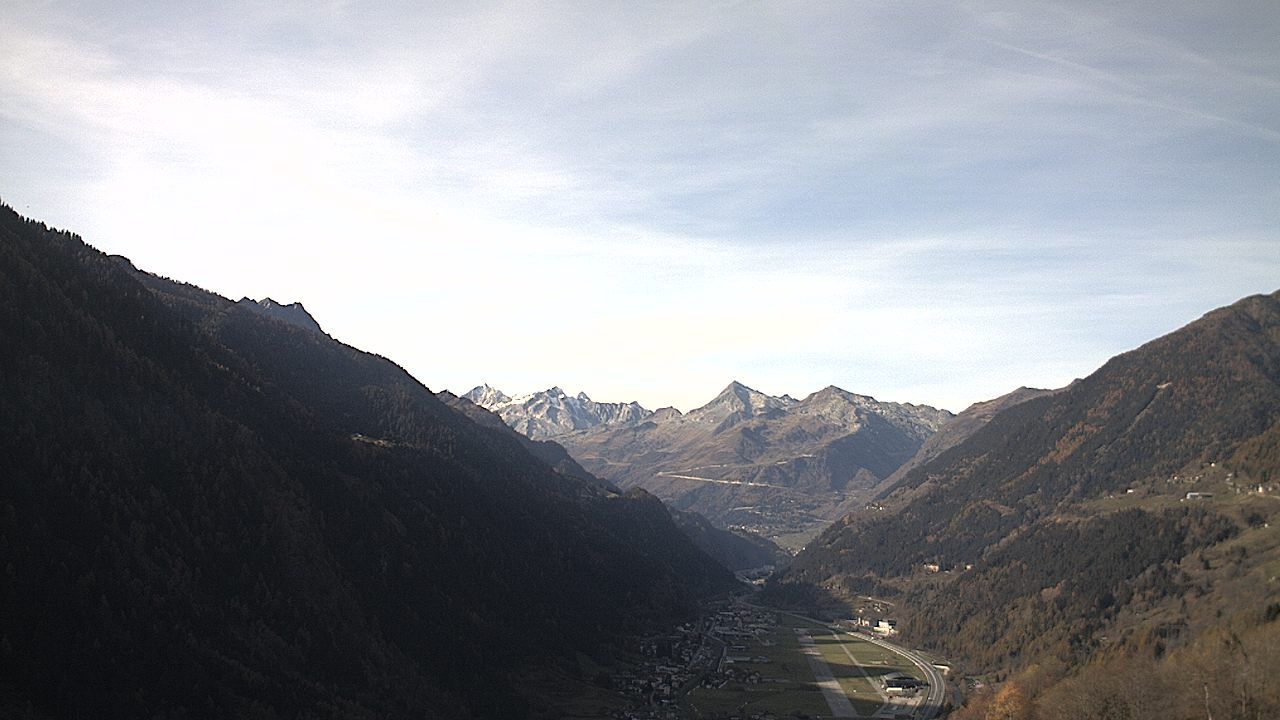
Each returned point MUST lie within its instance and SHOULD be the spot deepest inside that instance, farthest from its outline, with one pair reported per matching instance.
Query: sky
(924, 202)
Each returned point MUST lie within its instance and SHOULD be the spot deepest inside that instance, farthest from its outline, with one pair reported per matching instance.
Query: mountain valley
(1126, 520)
(214, 508)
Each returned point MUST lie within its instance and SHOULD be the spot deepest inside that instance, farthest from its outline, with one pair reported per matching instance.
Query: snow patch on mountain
(487, 396)
(553, 412)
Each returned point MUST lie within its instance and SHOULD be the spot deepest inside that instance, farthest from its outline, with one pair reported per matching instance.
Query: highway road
(937, 694)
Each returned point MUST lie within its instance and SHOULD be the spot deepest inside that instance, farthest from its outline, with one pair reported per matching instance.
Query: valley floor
(741, 660)
(803, 665)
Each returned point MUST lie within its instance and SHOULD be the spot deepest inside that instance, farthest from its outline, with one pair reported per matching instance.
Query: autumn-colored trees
(1229, 674)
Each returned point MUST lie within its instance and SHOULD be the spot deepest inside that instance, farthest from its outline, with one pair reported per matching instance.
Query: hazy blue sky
(926, 202)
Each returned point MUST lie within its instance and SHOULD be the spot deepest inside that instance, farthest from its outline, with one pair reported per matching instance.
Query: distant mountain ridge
(738, 402)
(779, 466)
(735, 550)
(552, 412)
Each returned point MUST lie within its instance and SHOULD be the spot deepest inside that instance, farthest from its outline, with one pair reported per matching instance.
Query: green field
(788, 683)
(860, 683)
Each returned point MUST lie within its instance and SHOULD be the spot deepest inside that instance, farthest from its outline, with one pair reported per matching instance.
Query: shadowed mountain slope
(734, 550)
(547, 451)
(206, 512)
(293, 313)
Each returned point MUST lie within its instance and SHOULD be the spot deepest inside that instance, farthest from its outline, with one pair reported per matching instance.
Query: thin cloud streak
(1140, 95)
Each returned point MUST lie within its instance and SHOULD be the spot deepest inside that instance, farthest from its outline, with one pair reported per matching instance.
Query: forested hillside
(956, 431)
(208, 512)
(1121, 517)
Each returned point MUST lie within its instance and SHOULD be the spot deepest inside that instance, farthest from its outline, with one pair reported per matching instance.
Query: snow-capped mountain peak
(487, 396)
(552, 412)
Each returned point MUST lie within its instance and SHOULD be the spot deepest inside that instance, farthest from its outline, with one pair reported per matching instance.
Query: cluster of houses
(737, 624)
(672, 662)
(709, 653)
(734, 628)
(1212, 474)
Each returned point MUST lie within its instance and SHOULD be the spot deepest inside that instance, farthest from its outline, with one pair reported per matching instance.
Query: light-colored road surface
(937, 694)
(831, 690)
(720, 481)
(862, 670)
(934, 699)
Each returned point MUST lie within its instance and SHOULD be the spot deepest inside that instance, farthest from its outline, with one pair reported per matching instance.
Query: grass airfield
(787, 680)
